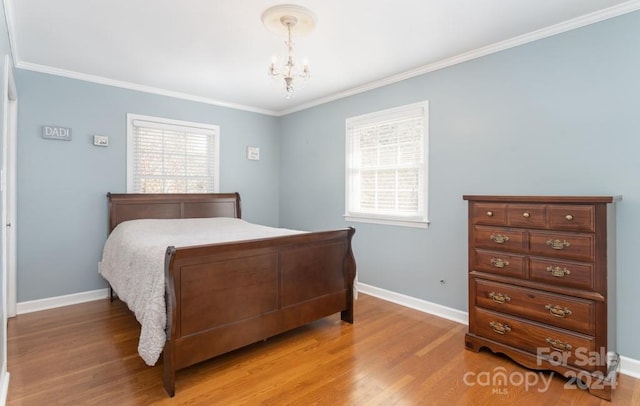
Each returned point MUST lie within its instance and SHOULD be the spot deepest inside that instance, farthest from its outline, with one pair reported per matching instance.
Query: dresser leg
(603, 387)
(601, 392)
(470, 344)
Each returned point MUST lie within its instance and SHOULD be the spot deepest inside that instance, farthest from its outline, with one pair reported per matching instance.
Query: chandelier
(282, 20)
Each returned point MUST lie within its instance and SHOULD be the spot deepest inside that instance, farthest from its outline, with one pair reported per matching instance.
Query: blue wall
(62, 185)
(556, 116)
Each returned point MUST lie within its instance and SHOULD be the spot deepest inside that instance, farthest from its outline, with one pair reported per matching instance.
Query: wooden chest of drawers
(542, 284)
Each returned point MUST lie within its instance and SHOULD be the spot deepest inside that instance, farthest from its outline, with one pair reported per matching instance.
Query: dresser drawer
(500, 263)
(526, 215)
(561, 245)
(562, 273)
(493, 214)
(558, 310)
(571, 217)
(497, 238)
(535, 338)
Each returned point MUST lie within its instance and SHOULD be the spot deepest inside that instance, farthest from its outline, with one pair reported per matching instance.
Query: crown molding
(595, 17)
(18, 63)
(9, 20)
(565, 26)
(141, 88)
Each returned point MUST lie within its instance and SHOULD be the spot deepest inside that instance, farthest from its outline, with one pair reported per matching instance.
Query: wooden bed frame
(221, 297)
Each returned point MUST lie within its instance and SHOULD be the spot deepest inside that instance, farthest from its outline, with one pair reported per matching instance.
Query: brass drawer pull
(498, 238)
(499, 262)
(526, 214)
(499, 327)
(569, 217)
(499, 297)
(558, 245)
(558, 311)
(558, 272)
(489, 213)
(558, 345)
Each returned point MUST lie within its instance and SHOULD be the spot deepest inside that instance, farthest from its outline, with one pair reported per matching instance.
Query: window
(386, 166)
(170, 156)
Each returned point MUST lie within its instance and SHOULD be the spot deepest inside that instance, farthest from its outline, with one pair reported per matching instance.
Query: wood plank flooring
(87, 355)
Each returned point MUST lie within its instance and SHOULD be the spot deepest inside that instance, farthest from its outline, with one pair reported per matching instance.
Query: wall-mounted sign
(56, 133)
(253, 153)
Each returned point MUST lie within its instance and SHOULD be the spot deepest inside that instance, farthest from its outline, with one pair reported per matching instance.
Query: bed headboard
(132, 206)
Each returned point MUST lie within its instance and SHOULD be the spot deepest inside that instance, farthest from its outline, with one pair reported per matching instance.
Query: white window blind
(171, 156)
(386, 166)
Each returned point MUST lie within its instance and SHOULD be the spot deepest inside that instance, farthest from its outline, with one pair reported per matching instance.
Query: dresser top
(544, 199)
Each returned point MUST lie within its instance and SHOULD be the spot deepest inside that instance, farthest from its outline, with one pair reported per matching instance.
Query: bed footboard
(221, 297)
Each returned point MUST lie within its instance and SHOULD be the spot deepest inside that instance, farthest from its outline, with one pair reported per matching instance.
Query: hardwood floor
(87, 354)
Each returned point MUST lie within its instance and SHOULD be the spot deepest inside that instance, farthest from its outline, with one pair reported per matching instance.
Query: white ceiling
(217, 51)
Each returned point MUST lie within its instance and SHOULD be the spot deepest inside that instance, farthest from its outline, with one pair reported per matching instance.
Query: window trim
(205, 129)
(379, 117)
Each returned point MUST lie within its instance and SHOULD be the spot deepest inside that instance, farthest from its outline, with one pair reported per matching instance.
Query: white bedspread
(133, 263)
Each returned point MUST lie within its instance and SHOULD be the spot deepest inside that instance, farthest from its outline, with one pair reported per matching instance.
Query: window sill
(388, 222)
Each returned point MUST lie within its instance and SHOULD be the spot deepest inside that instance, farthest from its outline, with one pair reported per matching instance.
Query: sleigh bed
(225, 295)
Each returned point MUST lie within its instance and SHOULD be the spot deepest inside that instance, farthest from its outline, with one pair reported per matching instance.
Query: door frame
(8, 186)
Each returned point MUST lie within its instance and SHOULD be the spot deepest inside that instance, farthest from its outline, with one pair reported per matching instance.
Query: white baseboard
(414, 303)
(628, 366)
(4, 388)
(59, 301)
